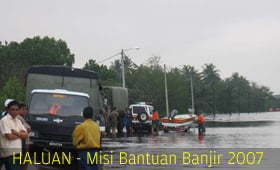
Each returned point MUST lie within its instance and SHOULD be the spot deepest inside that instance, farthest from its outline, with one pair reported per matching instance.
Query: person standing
(120, 125)
(201, 124)
(22, 113)
(128, 122)
(155, 122)
(25, 147)
(113, 121)
(107, 122)
(12, 132)
(87, 139)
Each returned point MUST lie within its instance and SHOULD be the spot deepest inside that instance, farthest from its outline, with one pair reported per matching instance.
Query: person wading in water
(201, 124)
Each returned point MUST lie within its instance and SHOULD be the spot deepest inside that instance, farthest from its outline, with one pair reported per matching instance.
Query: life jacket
(201, 118)
(155, 116)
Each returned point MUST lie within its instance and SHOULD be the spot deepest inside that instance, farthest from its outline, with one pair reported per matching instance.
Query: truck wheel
(143, 117)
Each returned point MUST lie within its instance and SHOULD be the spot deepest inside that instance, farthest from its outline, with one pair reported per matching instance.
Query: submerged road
(248, 141)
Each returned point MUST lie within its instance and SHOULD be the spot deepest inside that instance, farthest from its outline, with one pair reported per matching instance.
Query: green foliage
(13, 89)
(178, 90)
(145, 82)
(106, 75)
(212, 94)
(16, 57)
(46, 51)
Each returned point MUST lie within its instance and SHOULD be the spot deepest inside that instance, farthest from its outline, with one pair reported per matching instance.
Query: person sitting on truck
(54, 108)
(12, 132)
(113, 121)
(87, 139)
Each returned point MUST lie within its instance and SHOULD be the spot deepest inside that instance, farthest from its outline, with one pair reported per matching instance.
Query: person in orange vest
(201, 124)
(155, 122)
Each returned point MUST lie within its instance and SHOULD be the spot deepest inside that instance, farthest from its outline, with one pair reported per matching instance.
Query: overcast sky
(235, 35)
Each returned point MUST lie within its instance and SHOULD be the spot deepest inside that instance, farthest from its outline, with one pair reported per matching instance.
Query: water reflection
(201, 139)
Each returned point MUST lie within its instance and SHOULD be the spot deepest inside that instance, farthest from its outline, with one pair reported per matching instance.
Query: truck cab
(56, 97)
(53, 114)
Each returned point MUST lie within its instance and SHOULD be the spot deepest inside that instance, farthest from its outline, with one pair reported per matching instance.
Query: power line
(119, 53)
(108, 58)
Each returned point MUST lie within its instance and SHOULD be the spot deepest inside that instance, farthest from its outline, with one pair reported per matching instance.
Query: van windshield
(57, 104)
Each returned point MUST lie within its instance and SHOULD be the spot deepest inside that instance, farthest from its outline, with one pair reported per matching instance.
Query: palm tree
(211, 81)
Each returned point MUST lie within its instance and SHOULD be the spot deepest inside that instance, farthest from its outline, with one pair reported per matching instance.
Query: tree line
(212, 94)
(145, 82)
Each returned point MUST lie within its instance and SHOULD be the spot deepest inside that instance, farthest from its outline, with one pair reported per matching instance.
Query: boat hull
(184, 121)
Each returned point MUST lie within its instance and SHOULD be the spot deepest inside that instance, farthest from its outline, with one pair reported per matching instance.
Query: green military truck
(56, 96)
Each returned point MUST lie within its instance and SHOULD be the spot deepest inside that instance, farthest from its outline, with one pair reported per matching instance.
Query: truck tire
(143, 117)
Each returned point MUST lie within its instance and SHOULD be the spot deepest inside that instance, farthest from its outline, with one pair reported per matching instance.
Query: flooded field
(245, 132)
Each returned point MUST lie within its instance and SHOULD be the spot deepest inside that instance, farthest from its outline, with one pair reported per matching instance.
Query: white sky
(235, 35)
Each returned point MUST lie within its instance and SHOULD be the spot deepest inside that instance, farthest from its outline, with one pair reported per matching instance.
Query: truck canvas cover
(63, 71)
(63, 77)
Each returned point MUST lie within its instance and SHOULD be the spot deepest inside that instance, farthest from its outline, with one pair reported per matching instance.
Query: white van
(142, 114)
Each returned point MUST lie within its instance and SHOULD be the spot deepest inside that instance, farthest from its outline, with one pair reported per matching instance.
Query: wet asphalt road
(262, 134)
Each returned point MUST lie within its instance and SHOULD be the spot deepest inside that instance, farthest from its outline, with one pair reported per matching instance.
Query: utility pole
(123, 73)
(166, 93)
(122, 61)
(193, 111)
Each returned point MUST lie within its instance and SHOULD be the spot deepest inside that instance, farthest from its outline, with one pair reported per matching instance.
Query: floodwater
(249, 132)
(254, 130)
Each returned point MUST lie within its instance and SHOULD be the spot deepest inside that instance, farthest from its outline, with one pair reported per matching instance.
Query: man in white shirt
(12, 132)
